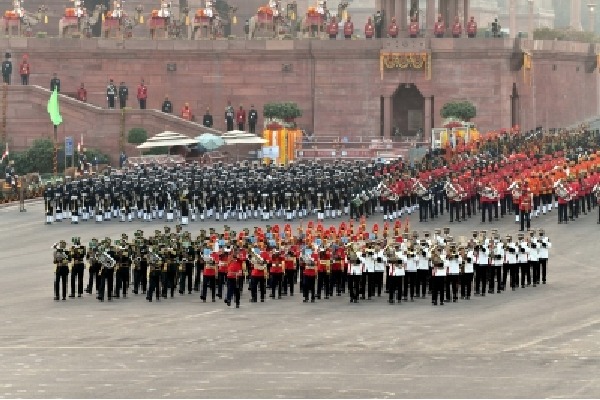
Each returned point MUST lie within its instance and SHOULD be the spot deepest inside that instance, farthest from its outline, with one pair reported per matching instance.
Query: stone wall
(337, 84)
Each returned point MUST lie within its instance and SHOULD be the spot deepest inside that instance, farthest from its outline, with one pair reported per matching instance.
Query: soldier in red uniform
(309, 280)
(186, 112)
(393, 29)
(471, 28)
(332, 29)
(24, 71)
(142, 95)
(525, 206)
(234, 271)
(337, 271)
(276, 272)
(222, 273)
(258, 279)
(240, 117)
(290, 272)
(439, 28)
(348, 28)
(369, 29)
(209, 273)
(456, 28)
(413, 28)
(324, 273)
(82, 93)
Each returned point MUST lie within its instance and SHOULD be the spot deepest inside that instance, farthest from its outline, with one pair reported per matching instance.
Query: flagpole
(55, 161)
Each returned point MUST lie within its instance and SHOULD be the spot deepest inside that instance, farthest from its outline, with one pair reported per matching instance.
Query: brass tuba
(561, 190)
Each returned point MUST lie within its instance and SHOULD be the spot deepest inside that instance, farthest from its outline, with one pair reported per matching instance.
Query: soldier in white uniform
(367, 281)
(496, 262)
(467, 276)
(380, 261)
(523, 260)
(422, 257)
(481, 266)
(543, 251)
(510, 263)
(410, 278)
(437, 279)
(534, 262)
(395, 277)
(454, 260)
(355, 271)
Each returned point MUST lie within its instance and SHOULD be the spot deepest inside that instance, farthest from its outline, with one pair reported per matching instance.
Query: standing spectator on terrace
(142, 95)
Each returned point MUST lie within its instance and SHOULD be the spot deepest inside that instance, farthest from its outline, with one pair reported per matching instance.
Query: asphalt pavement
(534, 342)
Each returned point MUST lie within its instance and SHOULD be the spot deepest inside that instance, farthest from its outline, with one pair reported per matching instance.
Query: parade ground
(529, 343)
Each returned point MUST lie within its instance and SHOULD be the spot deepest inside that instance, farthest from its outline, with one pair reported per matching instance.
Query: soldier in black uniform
(140, 269)
(78, 254)
(55, 83)
(167, 106)
(154, 280)
(107, 272)
(252, 118)
(186, 265)
(49, 202)
(6, 69)
(111, 92)
(123, 268)
(123, 95)
(229, 116)
(207, 119)
(94, 266)
(62, 257)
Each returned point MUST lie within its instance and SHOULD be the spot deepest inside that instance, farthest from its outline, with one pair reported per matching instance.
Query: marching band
(331, 260)
(188, 193)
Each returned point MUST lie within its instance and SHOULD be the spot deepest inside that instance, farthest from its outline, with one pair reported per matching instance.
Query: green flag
(53, 109)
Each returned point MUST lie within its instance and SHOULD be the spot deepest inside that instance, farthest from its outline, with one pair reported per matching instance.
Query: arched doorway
(408, 112)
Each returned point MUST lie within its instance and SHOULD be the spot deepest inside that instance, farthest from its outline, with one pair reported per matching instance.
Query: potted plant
(284, 114)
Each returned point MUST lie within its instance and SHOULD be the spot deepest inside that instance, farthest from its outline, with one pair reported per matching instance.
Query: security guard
(111, 92)
(123, 95)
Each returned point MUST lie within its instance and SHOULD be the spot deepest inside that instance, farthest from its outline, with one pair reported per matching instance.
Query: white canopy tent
(167, 139)
(239, 137)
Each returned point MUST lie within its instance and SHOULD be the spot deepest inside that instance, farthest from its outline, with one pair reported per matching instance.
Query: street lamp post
(530, 21)
(592, 7)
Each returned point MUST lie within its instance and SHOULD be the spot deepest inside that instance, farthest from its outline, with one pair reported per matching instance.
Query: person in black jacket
(252, 118)
(207, 120)
(6, 69)
(167, 106)
(55, 83)
(123, 95)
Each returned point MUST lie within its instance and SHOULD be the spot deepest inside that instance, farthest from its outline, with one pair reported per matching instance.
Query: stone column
(576, 15)
(430, 17)
(401, 15)
(467, 13)
(512, 18)
(427, 126)
(387, 117)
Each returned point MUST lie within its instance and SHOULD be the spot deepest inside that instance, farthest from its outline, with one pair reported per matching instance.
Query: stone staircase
(27, 120)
